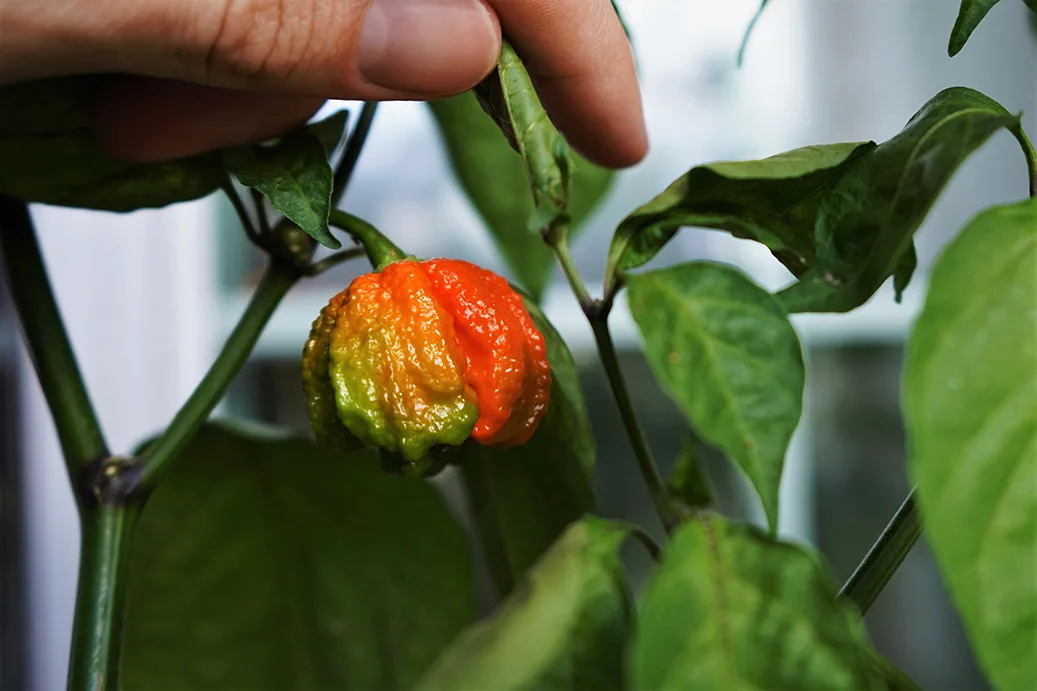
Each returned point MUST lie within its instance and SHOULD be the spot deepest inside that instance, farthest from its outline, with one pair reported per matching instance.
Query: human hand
(215, 73)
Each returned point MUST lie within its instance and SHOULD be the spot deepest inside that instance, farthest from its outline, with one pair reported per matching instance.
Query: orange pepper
(426, 353)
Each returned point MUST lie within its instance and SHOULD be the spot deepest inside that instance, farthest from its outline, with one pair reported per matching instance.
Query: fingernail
(427, 46)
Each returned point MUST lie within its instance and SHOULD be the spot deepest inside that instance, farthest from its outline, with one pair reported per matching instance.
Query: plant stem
(101, 597)
(259, 204)
(1031, 157)
(642, 536)
(275, 283)
(79, 431)
(106, 529)
(576, 282)
(598, 318)
(885, 556)
(345, 168)
(239, 208)
(380, 249)
(668, 513)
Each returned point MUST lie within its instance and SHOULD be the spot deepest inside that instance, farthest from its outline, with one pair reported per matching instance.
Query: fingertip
(626, 149)
(582, 65)
(610, 133)
(428, 47)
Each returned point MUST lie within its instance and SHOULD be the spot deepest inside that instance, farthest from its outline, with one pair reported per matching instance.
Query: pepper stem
(380, 249)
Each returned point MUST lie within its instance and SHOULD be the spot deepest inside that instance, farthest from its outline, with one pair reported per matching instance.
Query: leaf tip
(328, 240)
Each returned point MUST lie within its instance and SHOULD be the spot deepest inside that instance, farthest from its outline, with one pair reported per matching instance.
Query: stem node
(597, 312)
(111, 481)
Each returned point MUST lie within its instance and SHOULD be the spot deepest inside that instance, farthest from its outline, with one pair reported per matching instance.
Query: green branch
(560, 245)
(101, 597)
(106, 528)
(664, 506)
(885, 556)
(155, 460)
(259, 204)
(79, 431)
(239, 208)
(1031, 157)
(598, 318)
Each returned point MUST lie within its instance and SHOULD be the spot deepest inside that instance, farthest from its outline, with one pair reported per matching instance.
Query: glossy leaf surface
(866, 223)
(773, 201)
(725, 351)
(970, 399)
(294, 175)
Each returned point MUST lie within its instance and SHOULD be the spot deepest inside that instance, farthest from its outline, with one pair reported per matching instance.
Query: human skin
(195, 75)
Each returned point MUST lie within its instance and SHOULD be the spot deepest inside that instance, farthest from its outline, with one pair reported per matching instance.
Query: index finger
(580, 61)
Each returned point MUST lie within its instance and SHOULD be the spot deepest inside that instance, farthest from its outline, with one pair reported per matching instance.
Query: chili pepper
(426, 353)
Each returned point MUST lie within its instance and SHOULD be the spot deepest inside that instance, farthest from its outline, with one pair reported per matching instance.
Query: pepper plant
(226, 556)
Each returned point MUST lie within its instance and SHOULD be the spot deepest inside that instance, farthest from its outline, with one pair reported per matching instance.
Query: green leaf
(773, 201)
(511, 101)
(868, 219)
(895, 679)
(330, 130)
(266, 562)
(493, 177)
(524, 497)
(970, 14)
(50, 157)
(725, 351)
(563, 629)
(970, 403)
(295, 176)
(905, 270)
(689, 482)
(731, 608)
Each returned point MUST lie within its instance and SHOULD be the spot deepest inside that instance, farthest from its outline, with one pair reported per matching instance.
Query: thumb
(345, 49)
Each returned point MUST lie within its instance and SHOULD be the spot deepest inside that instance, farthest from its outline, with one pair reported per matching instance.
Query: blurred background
(149, 297)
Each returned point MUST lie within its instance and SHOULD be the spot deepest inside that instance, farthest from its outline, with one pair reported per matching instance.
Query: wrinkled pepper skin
(422, 354)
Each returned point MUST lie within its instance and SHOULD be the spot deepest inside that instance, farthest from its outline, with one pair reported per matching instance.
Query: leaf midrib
(299, 193)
